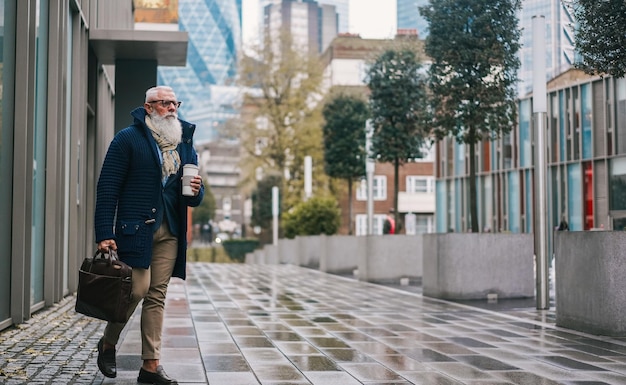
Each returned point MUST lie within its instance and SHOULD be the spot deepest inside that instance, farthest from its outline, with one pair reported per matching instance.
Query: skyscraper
(559, 39)
(204, 84)
(408, 16)
(312, 25)
(342, 7)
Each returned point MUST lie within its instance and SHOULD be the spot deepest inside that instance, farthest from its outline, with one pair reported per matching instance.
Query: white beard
(168, 128)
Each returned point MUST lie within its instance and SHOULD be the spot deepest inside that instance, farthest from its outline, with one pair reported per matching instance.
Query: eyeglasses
(166, 103)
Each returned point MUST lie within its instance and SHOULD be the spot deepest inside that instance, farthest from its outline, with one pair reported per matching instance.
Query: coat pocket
(132, 238)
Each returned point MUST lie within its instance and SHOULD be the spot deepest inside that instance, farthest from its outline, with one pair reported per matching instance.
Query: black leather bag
(104, 287)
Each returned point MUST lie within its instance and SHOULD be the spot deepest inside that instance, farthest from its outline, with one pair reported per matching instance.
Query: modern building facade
(586, 155)
(68, 71)
(206, 84)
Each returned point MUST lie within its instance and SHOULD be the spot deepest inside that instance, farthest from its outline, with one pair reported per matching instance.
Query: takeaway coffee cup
(189, 171)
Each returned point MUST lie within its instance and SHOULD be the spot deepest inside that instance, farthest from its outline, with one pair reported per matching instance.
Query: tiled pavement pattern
(261, 324)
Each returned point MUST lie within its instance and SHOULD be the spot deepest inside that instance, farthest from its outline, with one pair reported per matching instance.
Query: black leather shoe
(158, 378)
(106, 360)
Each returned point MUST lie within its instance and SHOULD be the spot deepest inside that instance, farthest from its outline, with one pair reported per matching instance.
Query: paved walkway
(235, 324)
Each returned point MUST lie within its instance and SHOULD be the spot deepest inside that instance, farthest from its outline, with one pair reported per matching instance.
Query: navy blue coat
(130, 194)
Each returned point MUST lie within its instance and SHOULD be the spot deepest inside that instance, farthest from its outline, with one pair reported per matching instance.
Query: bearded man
(142, 214)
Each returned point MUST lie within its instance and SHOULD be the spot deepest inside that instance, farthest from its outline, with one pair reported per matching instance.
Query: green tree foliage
(262, 201)
(397, 104)
(344, 141)
(206, 210)
(318, 215)
(473, 46)
(600, 36)
(284, 121)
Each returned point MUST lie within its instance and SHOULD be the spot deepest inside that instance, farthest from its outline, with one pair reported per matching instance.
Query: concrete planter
(390, 257)
(590, 268)
(466, 266)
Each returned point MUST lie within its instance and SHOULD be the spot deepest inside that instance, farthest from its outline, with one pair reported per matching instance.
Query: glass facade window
(574, 197)
(514, 202)
(586, 113)
(576, 129)
(525, 116)
(459, 159)
(617, 182)
(440, 206)
(457, 205)
(620, 127)
(562, 126)
(507, 151)
(6, 174)
(39, 151)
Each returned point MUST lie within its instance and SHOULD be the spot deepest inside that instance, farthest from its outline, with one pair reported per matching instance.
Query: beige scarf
(171, 158)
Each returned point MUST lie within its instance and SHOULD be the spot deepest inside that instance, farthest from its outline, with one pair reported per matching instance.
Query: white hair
(152, 93)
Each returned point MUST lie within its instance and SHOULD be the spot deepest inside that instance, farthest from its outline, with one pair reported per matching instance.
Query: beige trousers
(151, 286)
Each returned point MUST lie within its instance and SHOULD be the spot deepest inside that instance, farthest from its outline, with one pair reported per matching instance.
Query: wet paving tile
(277, 372)
(447, 348)
(296, 348)
(263, 354)
(331, 378)
(245, 331)
(471, 343)
(219, 348)
(460, 371)
(568, 363)
(367, 372)
(347, 355)
(524, 378)
(225, 363)
(373, 348)
(399, 363)
(485, 363)
(283, 336)
(253, 342)
(314, 363)
(425, 355)
(229, 378)
(429, 378)
(330, 342)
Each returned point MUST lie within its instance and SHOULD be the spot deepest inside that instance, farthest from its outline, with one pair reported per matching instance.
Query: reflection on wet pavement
(237, 324)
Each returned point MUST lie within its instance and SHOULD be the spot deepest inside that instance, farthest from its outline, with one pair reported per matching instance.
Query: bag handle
(108, 258)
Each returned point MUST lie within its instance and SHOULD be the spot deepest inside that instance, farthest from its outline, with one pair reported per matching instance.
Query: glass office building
(408, 16)
(586, 156)
(559, 39)
(206, 83)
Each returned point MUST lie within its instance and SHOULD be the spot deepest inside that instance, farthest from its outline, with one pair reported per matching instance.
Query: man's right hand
(105, 245)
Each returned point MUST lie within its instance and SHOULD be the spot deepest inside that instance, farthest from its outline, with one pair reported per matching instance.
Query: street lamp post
(369, 170)
(540, 204)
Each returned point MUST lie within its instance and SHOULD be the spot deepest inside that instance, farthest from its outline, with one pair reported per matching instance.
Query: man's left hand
(196, 184)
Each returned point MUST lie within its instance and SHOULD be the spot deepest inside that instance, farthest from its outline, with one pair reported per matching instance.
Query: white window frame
(379, 189)
(420, 184)
(360, 223)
